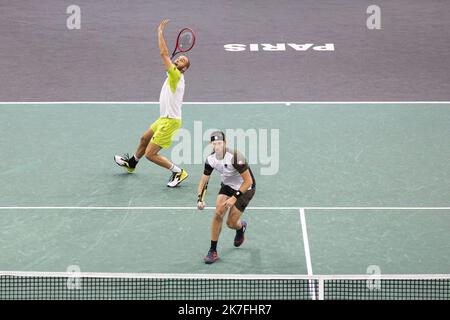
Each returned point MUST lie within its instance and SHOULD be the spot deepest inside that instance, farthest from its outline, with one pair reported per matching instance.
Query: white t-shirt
(172, 92)
(230, 168)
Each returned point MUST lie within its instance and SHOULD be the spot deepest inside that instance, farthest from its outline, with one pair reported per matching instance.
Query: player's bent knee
(151, 156)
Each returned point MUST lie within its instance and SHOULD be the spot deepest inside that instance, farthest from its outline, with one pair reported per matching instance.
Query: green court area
(64, 202)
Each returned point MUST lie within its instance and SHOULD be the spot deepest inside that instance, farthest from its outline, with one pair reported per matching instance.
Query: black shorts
(243, 200)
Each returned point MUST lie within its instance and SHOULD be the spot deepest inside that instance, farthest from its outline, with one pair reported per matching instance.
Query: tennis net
(122, 286)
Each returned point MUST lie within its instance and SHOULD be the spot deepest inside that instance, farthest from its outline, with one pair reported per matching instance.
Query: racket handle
(173, 53)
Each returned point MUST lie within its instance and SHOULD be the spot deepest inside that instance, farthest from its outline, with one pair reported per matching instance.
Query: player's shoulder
(236, 156)
(211, 158)
(173, 70)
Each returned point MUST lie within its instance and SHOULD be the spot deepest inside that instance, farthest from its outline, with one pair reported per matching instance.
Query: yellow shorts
(163, 131)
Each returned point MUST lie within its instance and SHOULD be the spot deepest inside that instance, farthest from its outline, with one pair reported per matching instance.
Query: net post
(321, 288)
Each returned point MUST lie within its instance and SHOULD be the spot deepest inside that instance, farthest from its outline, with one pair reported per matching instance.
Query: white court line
(212, 208)
(230, 102)
(311, 284)
(306, 242)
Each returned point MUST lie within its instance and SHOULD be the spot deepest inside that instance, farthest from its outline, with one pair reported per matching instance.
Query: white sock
(137, 159)
(175, 169)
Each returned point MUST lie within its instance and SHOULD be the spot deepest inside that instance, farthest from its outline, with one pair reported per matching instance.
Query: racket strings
(186, 41)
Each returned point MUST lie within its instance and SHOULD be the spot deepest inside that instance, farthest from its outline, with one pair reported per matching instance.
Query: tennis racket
(185, 41)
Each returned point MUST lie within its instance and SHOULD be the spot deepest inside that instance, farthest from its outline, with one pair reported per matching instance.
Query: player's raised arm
(163, 50)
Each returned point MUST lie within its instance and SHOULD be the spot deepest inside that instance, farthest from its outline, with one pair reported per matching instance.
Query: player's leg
(130, 162)
(221, 210)
(234, 220)
(151, 153)
(178, 174)
(143, 143)
(216, 227)
(162, 138)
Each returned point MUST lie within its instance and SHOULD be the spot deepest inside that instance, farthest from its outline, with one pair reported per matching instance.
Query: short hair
(188, 64)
